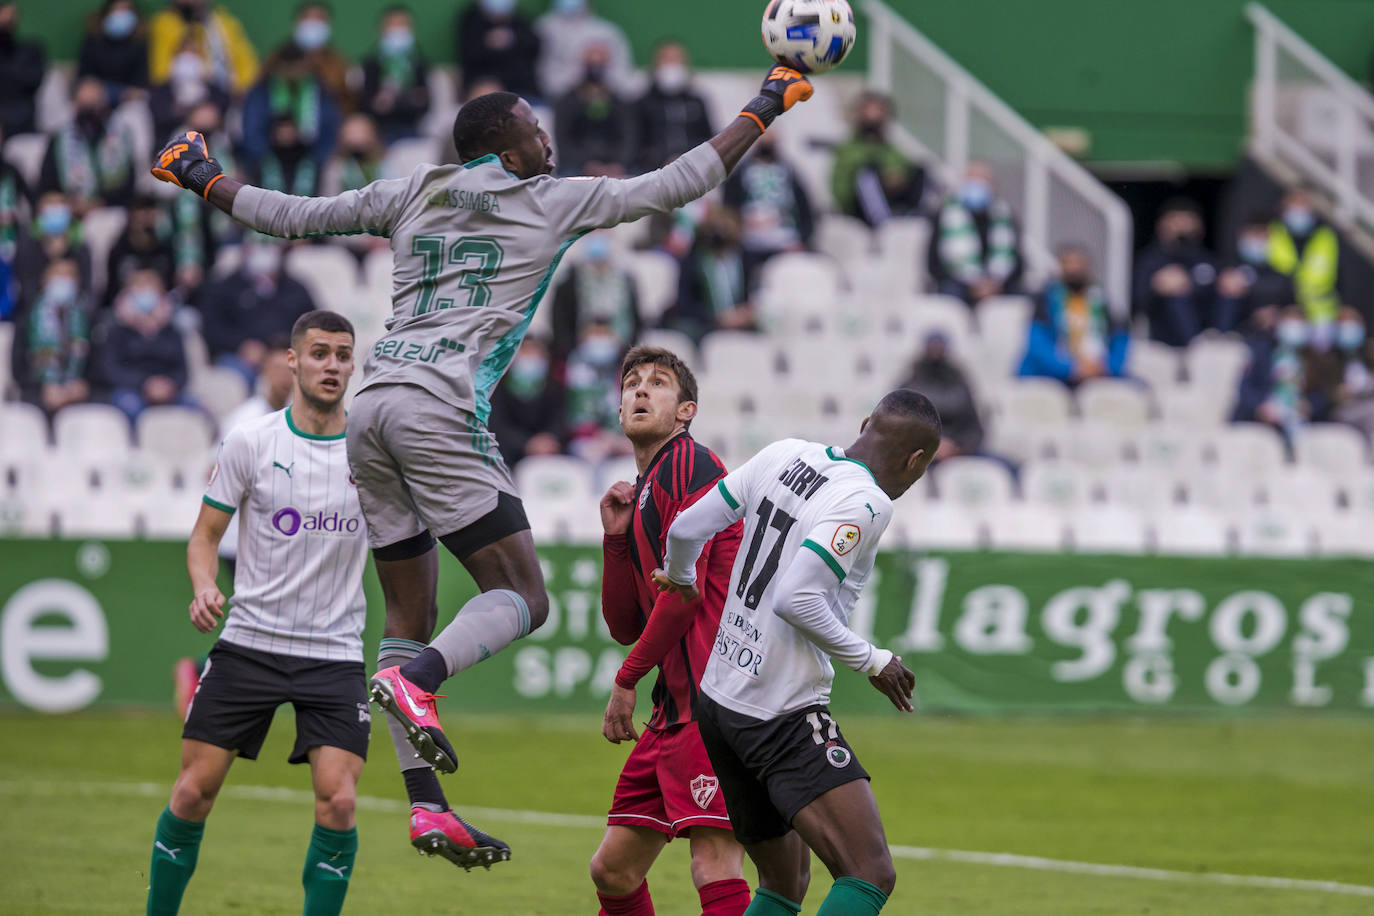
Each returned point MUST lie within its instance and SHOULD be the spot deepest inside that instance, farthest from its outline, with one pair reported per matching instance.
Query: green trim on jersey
(496, 363)
(825, 555)
(830, 453)
(730, 500)
(490, 157)
(290, 424)
(217, 505)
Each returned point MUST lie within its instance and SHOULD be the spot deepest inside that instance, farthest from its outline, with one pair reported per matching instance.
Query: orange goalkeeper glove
(783, 88)
(186, 163)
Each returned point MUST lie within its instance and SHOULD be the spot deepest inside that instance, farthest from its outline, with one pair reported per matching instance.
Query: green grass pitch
(1284, 798)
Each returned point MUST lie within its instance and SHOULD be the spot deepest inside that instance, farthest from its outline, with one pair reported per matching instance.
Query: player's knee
(612, 877)
(192, 799)
(335, 808)
(721, 861)
(538, 602)
(882, 875)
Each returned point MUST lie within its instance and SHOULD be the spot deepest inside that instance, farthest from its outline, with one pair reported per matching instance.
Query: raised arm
(697, 524)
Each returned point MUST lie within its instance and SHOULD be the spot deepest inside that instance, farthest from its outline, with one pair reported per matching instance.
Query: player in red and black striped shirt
(667, 788)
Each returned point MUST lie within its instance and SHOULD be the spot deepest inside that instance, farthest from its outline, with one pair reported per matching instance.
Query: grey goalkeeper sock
(483, 627)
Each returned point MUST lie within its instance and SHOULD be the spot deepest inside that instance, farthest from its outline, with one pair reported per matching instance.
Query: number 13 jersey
(796, 496)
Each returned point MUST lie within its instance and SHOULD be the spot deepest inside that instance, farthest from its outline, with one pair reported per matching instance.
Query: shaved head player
(475, 247)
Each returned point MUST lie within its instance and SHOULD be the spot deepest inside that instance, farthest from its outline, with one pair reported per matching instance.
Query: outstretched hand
(782, 88)
(897, 683)
(661, 581)
(186, 163)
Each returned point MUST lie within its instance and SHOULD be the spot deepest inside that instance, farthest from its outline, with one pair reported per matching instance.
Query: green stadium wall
(1163, 80)
(91, 623)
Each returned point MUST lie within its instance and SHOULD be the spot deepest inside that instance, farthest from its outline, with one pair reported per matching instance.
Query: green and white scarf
(961, 250)
(302, 184)
(397, 70)
(300, 101)
(605, 297)
(87, 169)
(9, 216)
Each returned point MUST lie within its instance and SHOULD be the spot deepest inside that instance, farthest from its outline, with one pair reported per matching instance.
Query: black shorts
(240, 690)
(771, 769)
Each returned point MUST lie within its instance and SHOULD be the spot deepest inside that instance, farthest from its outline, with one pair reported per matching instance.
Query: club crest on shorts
(837, 755)
(846, 539)
(704, 790)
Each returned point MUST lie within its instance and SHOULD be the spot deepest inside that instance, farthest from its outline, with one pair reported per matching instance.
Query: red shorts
(668, 784)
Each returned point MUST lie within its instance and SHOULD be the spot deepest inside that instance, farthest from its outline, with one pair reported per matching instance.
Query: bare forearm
(202, 559)
(732, 143)
(223, 192)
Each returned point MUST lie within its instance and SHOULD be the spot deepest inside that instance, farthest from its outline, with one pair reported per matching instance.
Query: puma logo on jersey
(285, 467)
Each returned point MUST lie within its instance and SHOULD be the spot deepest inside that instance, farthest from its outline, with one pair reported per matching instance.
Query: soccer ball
(812, 36)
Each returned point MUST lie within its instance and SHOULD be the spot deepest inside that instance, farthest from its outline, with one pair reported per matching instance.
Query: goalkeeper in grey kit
(475, 248)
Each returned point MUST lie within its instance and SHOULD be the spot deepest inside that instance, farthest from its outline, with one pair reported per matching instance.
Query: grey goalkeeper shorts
(420, 464)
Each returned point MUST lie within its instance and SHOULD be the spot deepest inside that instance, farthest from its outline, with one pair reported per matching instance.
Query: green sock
(328, 866)
(767, 903)
(175, 846)
(852, 897)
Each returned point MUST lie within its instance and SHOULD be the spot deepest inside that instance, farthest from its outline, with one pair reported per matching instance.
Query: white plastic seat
(1216, 362)
(1034, 400)
(1003, 323)
(1274, 533)
(219, 390)
(656, 281)
(330, 272)
(100, 228)
(935, 525)
(614, 470)
(103, 515)
(1108, 529)
(1144, 489)
(91, 429)
(1248, 447)
(736, 353)
(845, 238)
(25, 152)
(1196, 405)
(810, 277)
(1154, 363)
(973, 483)
(1055, 483)
(1167, 446)
(1344, 535)
(1023, 527)
(143, 478)
(1359, 494)
(23, 428)
(54, 107)
(1332, 447)
(674, 342)
(404, 156)
(1301, 489)
(21, 515)
(171, 518)
(1092, 444)
(902, 243)
(1116, 402)
(174, 433)
(1190, 531)
(556, 479)
(1232, 493)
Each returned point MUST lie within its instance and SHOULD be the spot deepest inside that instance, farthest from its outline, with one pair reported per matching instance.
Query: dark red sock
(636, 903)
(725, 898)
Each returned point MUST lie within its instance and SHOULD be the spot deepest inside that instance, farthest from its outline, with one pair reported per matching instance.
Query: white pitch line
(554, 819)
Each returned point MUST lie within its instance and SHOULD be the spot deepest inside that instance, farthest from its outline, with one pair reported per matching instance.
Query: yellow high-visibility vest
(1314, 271)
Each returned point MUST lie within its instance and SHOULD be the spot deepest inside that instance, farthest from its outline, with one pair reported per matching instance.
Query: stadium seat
(1274, 533)
(617, 469)
(1092, 444)
(935, 526)
(737, 353)
(174, 433)
(1344, 535)
(1359, 494)
(443, 103)
(973, 483)
(21, 516)
(25, 152)
(1196, 405)
(656, 282)
(811, 277)
(142, 477)
(675, 342)
(557, 480)
(53, 106)
(1252, 447)
(1332, 447)
(23, 429)
(1116, 402)
(100, 229)
(1190, 532)
(1230, 491)
(91, 429)
(1041, 401)
(1003, 323)
(846, 239)
(1144, 489)
(330, 273)
(1058, 484)
(902, 251)
(1216, 362)
(171, 518)
(1023, 527)
(1108, 529)
(219, 390)
(403, 157)
(100, 515)
(1167, 446)
(1301, 489)
(1156, 364)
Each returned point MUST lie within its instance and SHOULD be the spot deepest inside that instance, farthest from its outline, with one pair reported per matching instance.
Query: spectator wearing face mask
(713, 283)
(255, 304)
(773, 206)
(565, 33)
(355, 164)
(396, 78)
(288, 164)
(1175, 277)
(940, 378)
(595, 128)
(187, 87)
(91, 160)
(1353, 400)
(496, 41)
(22, 65)
(15, 207)
(596, 291)
(1251, 283)
(593, 395)
(1074, 336)
(528, 404)
(871, 178)
(1274, 387)
(115, 50)
(229, 60)
(202, 231)
(54, 236)
(310, 40)
(1308, 251)
(291, 91)
(673, 117)
(145, 246)
(975, 244)
(51, 367)
(141, 356)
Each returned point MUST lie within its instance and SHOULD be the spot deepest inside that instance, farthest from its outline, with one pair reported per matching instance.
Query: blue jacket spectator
(292, 91)
(141, 358)
(1073, 336)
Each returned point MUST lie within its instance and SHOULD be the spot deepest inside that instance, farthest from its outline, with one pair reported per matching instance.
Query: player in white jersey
(813, 517)
(475, 246)
(294, 630)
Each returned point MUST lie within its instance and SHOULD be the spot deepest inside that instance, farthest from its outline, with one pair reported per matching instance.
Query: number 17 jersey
(796, 497)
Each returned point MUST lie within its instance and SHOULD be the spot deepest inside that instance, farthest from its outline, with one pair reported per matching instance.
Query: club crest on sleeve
(846, 539)
(704, 790)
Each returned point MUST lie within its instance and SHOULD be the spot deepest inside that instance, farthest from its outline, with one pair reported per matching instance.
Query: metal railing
(949, 118)
(1308, 114)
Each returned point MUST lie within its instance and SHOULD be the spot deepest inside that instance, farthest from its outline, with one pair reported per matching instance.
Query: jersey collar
(483, 160)
(658, 456)
(834, 454)
(291, 425)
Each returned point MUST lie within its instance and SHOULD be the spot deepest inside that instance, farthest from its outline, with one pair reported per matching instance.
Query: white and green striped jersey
(298, 587)
(474, 250)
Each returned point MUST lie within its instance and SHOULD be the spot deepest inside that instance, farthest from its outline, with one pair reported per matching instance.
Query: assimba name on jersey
(455, 199)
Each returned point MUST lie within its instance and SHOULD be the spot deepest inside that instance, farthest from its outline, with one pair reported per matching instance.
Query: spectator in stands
(141, 356)
(358, 160)
(213, 34)
(871, 178)
(288, 165)
(595, 128)
(56, 236)
(1251, 284)
(1308, 251)
(1354, 395)
(593, 395)
(22, 65)
(115, 50)
(57, 329)
(396, 78)
(714, 283)
(91, 160)
(291, 90)
(527, 406)
(14, 210)
(145, 245)
(565, 33)
(941, 379)
(496, 41)
(1175, 277)
(773, 206)
(975, 244)
(188, 85)
(672, 115)
(599, 291)
(273, 390)
(1073, 336)
(310, 35)
(1275, 385)
(200, 230)
(257, 303)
